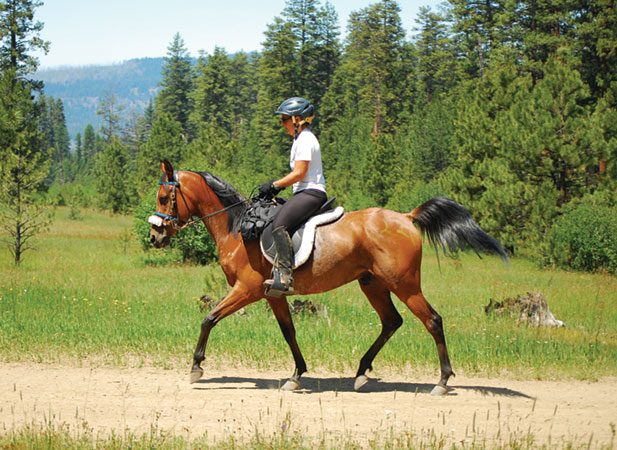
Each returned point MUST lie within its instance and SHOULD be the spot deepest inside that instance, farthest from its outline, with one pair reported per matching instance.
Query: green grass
(87, 293)
(52, 436)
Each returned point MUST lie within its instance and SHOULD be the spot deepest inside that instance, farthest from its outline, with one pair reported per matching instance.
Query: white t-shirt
(306, 148)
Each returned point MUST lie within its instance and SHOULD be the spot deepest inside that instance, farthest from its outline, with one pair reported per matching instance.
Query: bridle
(173, 218)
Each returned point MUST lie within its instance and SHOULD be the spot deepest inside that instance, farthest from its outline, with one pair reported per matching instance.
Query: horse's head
(165, 220)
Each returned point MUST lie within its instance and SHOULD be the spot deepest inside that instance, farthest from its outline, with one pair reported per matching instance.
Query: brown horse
(382, 249)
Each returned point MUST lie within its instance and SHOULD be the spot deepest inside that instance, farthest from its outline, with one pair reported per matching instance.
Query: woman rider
(309, 190)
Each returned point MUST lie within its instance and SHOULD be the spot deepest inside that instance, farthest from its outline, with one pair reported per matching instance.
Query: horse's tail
(449, 225)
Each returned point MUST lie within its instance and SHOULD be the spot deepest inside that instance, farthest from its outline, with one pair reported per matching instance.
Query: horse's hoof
(439, 391)
(290, 385)
(360, 382)
(196, 375)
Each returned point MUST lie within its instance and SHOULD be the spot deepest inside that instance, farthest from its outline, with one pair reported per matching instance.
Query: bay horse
(379, 248)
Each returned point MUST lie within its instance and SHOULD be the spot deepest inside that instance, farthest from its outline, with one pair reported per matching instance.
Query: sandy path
(241, 402)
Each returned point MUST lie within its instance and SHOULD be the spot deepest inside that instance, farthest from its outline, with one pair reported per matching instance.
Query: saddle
(303, 238)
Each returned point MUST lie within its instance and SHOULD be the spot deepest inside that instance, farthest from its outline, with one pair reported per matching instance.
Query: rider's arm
(297, 174)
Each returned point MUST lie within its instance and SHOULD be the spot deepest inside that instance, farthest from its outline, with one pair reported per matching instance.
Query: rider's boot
(282, 282)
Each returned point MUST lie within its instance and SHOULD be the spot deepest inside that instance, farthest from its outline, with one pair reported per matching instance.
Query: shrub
(585, 236)
(194, 243)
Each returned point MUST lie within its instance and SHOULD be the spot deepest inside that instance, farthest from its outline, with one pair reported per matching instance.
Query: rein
(157, 218)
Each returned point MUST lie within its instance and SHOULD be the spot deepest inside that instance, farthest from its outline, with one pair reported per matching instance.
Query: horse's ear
(167, 169)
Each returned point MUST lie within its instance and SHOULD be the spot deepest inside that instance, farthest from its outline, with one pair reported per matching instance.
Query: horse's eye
(163, 200)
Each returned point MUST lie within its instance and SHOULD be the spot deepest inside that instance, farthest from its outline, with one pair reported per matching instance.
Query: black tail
(449, 225)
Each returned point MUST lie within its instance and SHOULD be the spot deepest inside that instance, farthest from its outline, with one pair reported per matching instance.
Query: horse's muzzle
(159, 238)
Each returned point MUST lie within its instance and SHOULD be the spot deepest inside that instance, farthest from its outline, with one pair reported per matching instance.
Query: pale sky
(84, 32)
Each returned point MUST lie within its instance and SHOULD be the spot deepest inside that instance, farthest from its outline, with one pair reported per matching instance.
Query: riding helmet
(296, 106)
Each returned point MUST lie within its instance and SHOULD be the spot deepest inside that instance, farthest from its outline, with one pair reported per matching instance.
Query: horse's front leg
(238, 298)
(280, 308)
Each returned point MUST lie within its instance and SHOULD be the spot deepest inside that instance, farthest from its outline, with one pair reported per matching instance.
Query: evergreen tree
(243, 91)
(176, 83)
(53, 126)
(373, 65)
(276, 75)
(89, 150)
(483, 28)
(23, 166)
(212, 98)
(113, 180)
(20, 36)
(595, 40)
(381, 169)
(545, 27)
(427, 142)
(437, 61)
(524, 151)
(78, 147)
(166, 142)
(315, 29)
(109, 110)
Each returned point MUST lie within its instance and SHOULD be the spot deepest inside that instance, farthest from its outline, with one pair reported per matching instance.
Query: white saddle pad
(303, 250)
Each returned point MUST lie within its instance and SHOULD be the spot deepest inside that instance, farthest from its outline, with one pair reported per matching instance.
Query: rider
(309, 190)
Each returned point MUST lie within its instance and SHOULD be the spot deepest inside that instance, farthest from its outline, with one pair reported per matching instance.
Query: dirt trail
(242, 402)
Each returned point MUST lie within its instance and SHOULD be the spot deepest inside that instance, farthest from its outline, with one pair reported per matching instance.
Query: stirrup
(276, 288)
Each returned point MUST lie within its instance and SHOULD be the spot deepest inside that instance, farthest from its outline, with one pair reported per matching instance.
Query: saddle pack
(257, 224)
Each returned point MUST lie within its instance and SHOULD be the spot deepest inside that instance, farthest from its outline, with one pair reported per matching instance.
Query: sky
(86, 32)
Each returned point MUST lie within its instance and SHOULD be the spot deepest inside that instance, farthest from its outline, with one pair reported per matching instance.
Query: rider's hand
(268, 190)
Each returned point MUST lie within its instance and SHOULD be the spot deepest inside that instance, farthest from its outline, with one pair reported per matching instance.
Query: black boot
(282, 282)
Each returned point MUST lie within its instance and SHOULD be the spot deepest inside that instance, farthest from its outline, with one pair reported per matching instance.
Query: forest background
(510, 108)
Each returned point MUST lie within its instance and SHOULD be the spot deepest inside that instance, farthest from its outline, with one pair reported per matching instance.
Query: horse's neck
(217, 225)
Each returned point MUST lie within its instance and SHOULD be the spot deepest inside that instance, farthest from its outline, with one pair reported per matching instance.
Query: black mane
(228, 196)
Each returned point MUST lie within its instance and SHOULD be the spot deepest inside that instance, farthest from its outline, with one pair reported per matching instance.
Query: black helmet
(296, 106)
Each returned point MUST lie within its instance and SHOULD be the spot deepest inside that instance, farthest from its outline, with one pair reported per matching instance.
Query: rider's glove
(268, 190)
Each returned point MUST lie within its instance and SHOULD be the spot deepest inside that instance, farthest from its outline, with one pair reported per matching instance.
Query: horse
(379, 248)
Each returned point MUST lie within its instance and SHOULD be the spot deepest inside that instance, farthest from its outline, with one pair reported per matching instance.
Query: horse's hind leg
(379, 297)
(434, 324)
(280, 308)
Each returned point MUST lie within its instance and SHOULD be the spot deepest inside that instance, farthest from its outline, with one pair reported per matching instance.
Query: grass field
(88, 292)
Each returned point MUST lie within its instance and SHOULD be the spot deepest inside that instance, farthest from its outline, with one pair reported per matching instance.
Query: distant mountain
(133, 82)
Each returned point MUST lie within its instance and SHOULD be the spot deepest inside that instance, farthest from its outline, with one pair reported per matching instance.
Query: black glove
(267, 190)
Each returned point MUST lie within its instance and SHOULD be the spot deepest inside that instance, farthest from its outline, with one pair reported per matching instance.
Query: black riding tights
(298, 208)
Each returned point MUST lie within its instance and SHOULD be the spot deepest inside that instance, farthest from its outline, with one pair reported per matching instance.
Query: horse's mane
(228, 196)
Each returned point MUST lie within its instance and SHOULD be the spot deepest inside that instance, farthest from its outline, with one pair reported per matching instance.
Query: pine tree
(78, 147)
(56, 137)
(176, 84)
(23, 166)
(89, 144)
(373, 63)
(20, 36)
(113, 181)
(165, 142)
(243, 90)
(437, 61)
(276, 75)
(482, 29)
(595, 24)
(212, 97)
(524, 150)
(315, 29)
(110, 110)
(545, 27)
